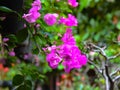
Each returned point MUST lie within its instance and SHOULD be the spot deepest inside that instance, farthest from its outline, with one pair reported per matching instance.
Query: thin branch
(105, 64)
(107, 73)
(116, 78)
(98, 69)
(34, 39)
(115, 56)
(113, 73)
(101, 50)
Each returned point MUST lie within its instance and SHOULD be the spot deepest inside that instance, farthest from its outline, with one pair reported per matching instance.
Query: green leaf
(92, 67)
(36, 51)
(85, 36)
(5, 9)
(41, 76)
(84, 4)
(22, 35)
(23, 87)
(18, 79)
(118, 25)
(12, 38)
(28, 83)
(60, 67)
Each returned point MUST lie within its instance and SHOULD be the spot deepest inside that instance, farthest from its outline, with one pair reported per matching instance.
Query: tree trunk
(108, 81)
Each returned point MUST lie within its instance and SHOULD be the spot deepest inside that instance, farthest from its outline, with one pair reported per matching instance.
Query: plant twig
(98, 69)
(113, 73)
(101, 50)
(116, 78)
(115, 56)
(105, 64)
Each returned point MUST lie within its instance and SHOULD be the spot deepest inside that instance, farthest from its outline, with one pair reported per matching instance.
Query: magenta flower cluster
(67, 53)
(73, 3)
(50, 19)
(33, 13)
(70, 21)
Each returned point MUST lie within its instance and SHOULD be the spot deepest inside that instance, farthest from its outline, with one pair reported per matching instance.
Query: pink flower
(67, 53)
(37, 25)
(5, 39)
(62, 20)
(73, 3)
(31, 17)
(68, 38)
(70, 21)
(82, 59)
(50, 19)
(72, 57)
(53, 59)
(33, 13)
(118, 38)
(58, 0)
(33, 9)
(37, 4)
(26, 56)
(11, 53)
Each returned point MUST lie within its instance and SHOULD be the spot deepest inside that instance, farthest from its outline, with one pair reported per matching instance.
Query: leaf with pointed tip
(18, 79)
(5, 9)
